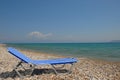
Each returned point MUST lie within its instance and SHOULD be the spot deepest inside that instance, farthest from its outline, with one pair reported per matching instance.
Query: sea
(103, 51)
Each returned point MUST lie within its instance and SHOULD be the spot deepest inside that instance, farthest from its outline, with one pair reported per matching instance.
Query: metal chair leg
(69, 70)
(32, 67)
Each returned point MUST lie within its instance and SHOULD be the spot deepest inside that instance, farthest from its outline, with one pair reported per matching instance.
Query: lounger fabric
(40, 62)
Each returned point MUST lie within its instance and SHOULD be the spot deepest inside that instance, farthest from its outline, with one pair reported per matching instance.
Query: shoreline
(84, 69)
(108, 53)
(61, 55)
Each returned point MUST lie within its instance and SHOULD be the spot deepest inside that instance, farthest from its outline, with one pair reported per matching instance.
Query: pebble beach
(84, 69)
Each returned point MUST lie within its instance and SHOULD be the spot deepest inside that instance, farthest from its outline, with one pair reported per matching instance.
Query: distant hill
(115, 41)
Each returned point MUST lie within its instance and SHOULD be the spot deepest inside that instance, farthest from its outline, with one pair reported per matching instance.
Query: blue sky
(59, 20)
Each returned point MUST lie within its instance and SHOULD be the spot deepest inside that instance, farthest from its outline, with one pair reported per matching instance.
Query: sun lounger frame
(33, 65)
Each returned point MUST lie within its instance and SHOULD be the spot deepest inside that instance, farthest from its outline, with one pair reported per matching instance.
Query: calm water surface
(106, 51)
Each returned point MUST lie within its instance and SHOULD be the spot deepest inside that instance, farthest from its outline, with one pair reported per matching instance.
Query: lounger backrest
(19, 55)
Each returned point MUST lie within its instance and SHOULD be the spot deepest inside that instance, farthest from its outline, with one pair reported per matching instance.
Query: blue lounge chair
(33, 63)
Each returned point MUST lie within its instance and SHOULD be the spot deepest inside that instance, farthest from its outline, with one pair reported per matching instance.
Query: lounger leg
(22, 67)
(15, 69)
(71, 67)
(54, 68)
(32, 67)
(69, 70)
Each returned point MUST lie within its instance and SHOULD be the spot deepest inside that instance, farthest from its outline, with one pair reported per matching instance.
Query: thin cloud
(39, 35)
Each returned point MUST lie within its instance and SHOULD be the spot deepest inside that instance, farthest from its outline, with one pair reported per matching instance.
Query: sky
(59, 21)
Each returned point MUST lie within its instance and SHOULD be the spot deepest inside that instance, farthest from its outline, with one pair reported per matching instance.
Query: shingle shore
(84, 69)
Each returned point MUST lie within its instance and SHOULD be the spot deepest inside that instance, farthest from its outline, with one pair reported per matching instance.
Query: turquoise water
(106, 51)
